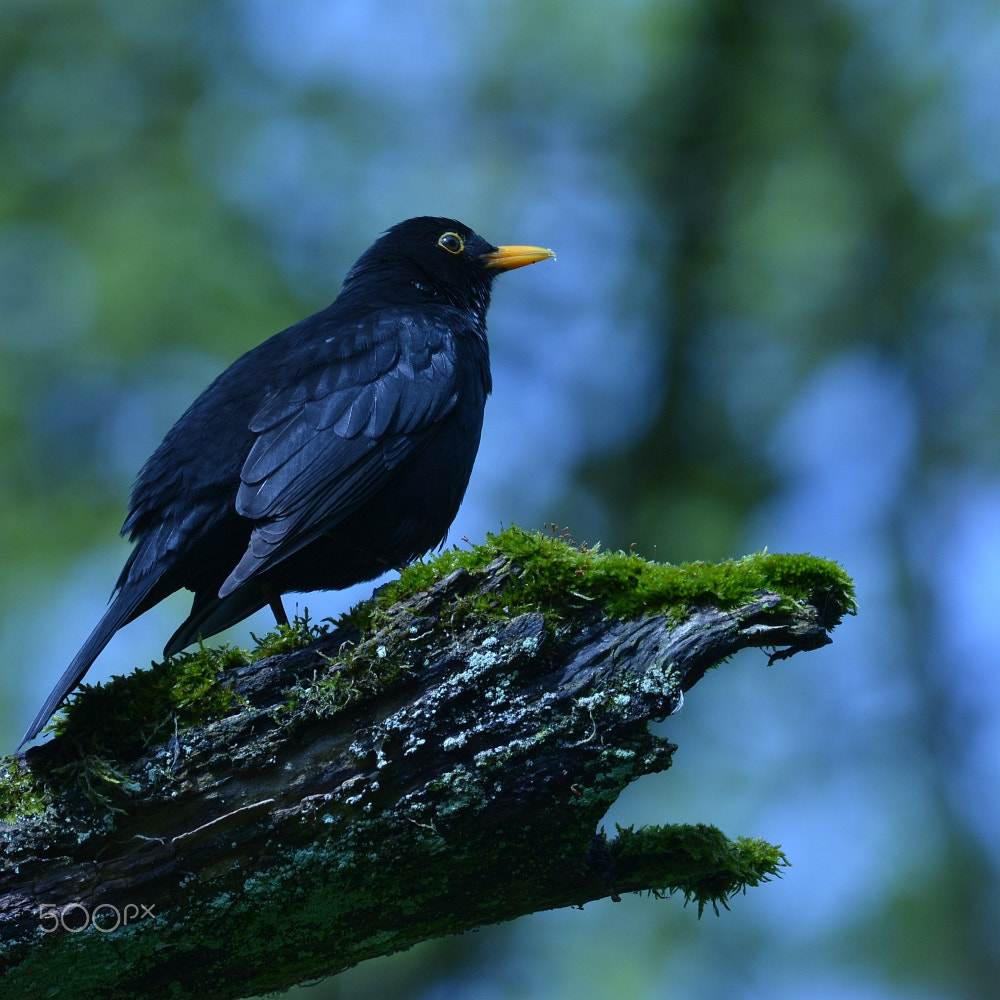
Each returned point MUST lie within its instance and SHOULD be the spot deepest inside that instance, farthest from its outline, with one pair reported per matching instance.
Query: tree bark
(444, 768)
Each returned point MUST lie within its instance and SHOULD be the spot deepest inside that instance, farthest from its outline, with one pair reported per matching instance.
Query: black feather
(333, 451)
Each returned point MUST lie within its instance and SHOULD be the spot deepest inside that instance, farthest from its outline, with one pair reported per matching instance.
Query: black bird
(334, 451)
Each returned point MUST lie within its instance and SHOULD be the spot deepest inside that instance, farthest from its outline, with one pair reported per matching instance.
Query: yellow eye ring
(452, 242)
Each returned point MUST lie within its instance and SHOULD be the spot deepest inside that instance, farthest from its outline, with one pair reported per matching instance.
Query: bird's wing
(327, 442)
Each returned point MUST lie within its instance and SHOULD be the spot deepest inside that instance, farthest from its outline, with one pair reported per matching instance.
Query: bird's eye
(452, 242)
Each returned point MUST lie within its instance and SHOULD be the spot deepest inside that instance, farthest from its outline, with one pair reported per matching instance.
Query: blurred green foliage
(773, 323)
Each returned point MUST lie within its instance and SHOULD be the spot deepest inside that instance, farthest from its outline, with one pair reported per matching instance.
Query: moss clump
(349, 679)
(126, 713)
(705, 865)
(556, 572)
(287, 638)
(20, 796)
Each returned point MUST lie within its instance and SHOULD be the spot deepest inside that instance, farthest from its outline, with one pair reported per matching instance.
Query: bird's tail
(211, 615)
(118, 614)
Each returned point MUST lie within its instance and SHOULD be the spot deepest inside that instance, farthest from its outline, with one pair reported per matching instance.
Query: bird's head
(436, 259)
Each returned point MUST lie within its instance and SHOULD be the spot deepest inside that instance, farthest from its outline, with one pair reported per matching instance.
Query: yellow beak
(507, 258)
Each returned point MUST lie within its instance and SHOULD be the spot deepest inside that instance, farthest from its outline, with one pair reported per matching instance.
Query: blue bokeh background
(773, 323)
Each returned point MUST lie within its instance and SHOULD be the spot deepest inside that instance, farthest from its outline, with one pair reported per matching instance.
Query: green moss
(706, 866)
(126, 713)
(556, 573)
(97, 780)
(298, 634)
(20, 795)
(349, 679)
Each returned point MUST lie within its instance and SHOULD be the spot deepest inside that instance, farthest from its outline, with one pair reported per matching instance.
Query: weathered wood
(373, 791)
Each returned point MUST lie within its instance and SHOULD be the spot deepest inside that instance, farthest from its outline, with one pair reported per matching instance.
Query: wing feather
(323, 447)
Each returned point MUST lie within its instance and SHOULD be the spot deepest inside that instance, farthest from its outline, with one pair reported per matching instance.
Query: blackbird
(332, 452)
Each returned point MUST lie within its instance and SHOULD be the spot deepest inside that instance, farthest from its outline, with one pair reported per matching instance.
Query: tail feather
(211, 614)
(118, 614)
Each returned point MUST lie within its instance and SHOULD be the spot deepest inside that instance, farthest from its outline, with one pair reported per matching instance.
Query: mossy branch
(224, 825)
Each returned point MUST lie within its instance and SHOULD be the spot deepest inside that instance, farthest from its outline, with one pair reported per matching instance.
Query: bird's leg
(274, 600)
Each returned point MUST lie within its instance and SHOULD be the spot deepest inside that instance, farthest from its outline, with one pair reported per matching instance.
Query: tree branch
(438, 761)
